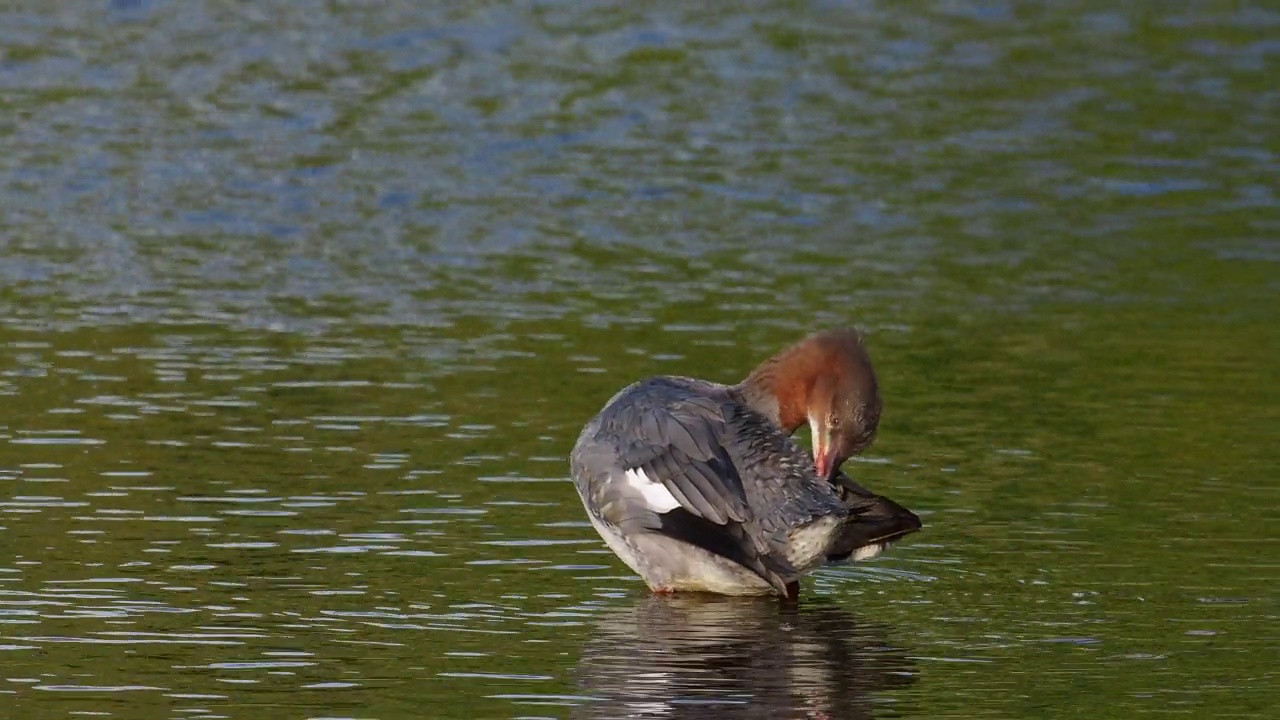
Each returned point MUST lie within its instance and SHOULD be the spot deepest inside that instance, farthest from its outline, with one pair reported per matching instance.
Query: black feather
(727, 542)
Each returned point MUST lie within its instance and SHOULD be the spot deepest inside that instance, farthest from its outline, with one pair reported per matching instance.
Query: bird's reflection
(700, 657)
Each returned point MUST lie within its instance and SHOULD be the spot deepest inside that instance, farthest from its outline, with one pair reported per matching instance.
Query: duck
(698, 486)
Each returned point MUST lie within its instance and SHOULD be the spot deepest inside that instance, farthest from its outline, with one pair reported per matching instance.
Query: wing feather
(685, 452)
(677, 440)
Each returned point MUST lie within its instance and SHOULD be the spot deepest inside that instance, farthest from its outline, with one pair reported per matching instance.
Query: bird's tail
(873, 523)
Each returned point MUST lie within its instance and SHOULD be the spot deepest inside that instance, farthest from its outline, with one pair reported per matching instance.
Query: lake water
(302, 306)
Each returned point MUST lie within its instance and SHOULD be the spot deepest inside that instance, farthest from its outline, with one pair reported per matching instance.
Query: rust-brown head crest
(826, 380)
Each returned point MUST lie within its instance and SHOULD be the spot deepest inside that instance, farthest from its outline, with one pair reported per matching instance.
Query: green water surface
(302, 306)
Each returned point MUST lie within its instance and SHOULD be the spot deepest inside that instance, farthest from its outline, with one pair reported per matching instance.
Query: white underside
(868, 551)
(668, 564)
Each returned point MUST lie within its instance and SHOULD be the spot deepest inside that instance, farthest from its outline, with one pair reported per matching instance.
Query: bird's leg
(793, 591)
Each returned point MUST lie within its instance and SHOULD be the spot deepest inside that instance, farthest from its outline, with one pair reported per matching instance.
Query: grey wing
(663, 467)
(682, 447)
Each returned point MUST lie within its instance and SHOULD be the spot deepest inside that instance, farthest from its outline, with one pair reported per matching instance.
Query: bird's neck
(778, 390)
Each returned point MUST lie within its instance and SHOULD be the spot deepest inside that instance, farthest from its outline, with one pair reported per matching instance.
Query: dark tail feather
(872, 520)
(729, 541)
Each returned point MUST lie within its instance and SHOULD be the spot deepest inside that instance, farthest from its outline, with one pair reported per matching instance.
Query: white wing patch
(658, 498)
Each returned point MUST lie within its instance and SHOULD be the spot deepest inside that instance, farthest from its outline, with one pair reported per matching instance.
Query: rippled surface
(302, 306)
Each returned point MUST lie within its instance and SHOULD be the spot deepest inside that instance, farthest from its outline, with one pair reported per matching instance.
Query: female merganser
(698, 486)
